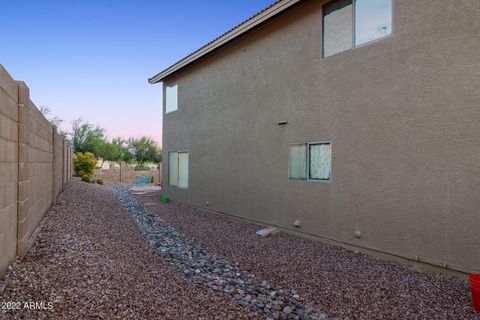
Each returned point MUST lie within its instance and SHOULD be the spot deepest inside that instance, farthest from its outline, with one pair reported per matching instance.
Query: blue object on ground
(142, 181)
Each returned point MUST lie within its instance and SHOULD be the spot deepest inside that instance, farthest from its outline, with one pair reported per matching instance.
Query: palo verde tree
(116, 150)
(86, 137)
(144, 150)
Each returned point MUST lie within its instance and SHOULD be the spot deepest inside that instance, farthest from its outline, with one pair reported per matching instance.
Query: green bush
(86, 179)
(100, 181)
(84, 163)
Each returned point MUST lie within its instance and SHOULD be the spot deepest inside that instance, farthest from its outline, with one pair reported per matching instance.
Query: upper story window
(349, 23)
(171, 99)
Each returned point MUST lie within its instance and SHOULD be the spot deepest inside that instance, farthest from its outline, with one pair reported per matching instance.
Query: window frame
(169, 169)
(354, 20)
(188, 168)
(307, 144)
(166, 97)
(178, 169)
(308, 161)
(289, 161)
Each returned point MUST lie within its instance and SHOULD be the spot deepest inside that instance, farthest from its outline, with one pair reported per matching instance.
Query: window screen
(183, 169)
(173, 169)
(298, 161)
(320, 158)
(337, 27)
(348, 23)
(373, 20)
(171, 98)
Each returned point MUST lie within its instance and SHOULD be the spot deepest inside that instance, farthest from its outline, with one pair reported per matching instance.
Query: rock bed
(91, 261)
(195, 263)
(347, 284)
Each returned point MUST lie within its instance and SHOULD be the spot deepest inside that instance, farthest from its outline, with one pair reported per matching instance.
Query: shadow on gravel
(346, 284)
(91, 261)
(195, 263)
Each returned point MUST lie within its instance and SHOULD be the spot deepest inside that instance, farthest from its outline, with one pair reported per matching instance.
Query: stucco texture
(401, 113)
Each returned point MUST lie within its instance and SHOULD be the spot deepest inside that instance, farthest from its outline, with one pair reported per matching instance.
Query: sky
(91, 59)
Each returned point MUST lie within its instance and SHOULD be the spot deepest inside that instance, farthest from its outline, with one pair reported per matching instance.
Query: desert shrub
(84, 163)
(151, 179)
(86, 179)
(100, 181)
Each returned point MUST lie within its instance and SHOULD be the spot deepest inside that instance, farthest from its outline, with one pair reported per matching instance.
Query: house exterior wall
(31, 166)
(401, 113)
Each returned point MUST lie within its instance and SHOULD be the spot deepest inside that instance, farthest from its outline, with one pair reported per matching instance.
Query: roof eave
(226, 38)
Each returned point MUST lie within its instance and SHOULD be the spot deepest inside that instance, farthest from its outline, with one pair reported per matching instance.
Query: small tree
(107, 151)
(84, 163)
(123, 153)
(87, 137)
(144, 149)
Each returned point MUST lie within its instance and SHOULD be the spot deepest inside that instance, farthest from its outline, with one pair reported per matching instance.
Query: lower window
(310, 161)
(178, 169)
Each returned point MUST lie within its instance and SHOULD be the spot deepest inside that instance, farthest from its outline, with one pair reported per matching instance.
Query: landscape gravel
(344, 283)
(92, 261)
(104, 253)
(195, 263)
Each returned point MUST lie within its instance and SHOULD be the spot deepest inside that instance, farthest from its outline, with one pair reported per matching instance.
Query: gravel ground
(346, 284)
(99, 258)
(93, 262)
(263, 299)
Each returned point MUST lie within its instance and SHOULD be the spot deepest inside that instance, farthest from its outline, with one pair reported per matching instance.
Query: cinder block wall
(8, 168)
(34, 168)
(58, 169)
(125, 175)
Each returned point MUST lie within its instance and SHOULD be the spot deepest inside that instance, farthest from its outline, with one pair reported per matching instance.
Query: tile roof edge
(240, 29)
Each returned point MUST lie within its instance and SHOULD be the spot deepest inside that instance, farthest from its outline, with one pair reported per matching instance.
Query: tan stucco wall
(402, 115)
(31, 166)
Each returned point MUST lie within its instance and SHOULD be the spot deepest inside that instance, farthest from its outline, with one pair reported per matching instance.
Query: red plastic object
(475, 286)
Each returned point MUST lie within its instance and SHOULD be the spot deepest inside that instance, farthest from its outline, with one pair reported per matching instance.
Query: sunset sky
(91, 58)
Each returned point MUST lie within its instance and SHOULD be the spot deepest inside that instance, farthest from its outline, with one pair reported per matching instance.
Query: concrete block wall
(64, 169)
(33, 168)
(58, 169)
(125, 175)
(8, 169)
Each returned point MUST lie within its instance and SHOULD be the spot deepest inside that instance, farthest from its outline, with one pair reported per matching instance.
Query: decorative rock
(287, 310)
(195, 263)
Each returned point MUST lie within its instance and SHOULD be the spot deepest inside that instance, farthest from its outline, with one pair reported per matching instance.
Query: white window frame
(290, 164)
(168, 107)
(170, 182)
(308, 160)
(177, 185)
(354, 17)
(188, 165)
